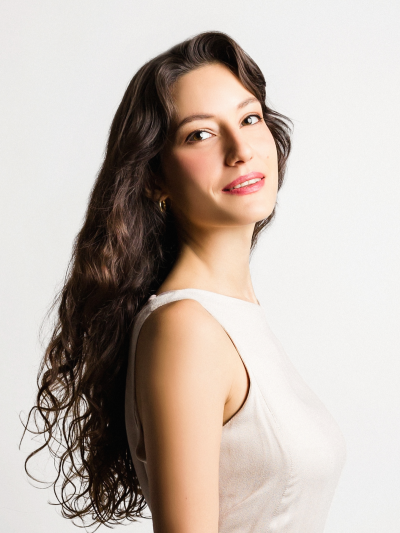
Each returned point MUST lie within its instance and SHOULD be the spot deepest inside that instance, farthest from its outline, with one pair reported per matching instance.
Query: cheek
(270, 147)
(194, 170)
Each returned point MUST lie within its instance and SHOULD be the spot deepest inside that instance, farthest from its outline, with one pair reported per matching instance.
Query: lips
(242, 179)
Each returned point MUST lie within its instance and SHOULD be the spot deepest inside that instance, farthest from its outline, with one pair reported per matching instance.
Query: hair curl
(122, 254)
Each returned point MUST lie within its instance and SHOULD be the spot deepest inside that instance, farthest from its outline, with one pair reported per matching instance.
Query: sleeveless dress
(282, 453)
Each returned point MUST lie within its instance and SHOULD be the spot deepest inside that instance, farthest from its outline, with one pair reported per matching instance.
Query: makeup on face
(246, 184)
(221, 152)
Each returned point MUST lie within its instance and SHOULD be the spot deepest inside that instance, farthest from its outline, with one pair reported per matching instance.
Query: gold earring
(163, 206)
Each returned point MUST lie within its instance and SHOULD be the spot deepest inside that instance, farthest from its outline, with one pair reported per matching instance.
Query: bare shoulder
(176, 316)
(185, 334)
(183, 377)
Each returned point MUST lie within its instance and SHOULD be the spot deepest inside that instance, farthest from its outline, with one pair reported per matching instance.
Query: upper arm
(183, 380)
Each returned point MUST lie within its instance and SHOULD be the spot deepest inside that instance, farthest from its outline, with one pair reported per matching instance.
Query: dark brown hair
(122, 254)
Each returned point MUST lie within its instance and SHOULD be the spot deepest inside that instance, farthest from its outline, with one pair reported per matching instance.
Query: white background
(326, 271)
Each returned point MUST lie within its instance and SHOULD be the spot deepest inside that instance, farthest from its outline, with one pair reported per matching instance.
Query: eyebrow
(191, 118)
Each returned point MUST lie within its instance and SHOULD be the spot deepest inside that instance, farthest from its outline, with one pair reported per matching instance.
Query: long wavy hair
(122, 254)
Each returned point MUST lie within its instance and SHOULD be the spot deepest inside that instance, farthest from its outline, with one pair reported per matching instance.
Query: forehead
(208, 89)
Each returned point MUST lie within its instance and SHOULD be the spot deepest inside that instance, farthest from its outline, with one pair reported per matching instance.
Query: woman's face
(219, 136)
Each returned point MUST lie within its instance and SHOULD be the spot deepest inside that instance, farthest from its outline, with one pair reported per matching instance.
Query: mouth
(248, 182)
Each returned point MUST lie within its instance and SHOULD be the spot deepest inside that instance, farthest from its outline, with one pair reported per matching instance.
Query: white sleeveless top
(282, 453)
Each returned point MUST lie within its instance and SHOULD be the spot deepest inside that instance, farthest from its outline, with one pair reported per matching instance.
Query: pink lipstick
(247, 184)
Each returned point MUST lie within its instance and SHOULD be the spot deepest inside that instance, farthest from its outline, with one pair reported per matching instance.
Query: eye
(198, 132)
(191, 137)
(252, 117)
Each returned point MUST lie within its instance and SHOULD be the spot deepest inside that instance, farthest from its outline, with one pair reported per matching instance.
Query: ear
(155, 194)
(154, 189)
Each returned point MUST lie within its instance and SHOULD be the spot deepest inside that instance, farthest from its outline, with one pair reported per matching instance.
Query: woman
(162, 379)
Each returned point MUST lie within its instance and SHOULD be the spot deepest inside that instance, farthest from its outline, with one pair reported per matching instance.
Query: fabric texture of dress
(282, 453)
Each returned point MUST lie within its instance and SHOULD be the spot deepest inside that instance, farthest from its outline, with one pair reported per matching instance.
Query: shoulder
(184, 329)
(186, 317)
(182, 345)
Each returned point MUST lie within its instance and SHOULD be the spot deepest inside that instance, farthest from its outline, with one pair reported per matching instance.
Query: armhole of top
(250, 380)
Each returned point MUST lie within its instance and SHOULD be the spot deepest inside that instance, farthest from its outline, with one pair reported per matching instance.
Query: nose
(237, 149)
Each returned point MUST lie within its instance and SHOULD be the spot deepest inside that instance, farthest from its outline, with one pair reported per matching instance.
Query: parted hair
(121, 255)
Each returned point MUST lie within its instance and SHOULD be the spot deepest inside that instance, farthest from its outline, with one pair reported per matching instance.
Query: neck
(216, 260)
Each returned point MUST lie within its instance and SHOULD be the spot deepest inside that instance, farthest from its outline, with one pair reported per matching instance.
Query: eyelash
(199, 131)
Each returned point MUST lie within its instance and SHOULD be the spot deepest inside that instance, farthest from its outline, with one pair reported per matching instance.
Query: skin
(190, 380)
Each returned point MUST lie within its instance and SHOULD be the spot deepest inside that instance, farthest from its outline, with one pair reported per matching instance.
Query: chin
(256, 216)
(263, 212)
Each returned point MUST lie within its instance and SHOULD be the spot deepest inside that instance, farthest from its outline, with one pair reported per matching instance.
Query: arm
(183, 379)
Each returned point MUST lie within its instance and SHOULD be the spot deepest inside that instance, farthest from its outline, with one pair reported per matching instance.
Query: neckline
(208, 292)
